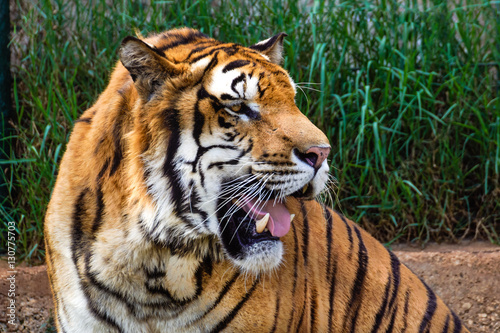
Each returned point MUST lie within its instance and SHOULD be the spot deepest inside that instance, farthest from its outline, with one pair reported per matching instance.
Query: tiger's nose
(314, 156)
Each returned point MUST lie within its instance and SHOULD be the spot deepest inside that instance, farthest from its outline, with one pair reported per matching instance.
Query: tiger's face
(232, 146)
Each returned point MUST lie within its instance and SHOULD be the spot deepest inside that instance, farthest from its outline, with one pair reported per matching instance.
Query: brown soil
(466, 276)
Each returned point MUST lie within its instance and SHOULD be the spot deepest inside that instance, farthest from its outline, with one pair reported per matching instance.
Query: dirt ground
(466, 276)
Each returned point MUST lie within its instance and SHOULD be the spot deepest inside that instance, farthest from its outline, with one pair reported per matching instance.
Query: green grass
(407, 93)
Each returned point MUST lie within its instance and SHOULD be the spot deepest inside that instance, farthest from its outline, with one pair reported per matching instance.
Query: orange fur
(132, 247)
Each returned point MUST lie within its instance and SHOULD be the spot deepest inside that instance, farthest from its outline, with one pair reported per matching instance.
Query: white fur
(221, 84)
(261, 257)
(201, 64)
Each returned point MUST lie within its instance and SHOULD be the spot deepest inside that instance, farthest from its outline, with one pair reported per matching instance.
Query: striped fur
(140, 231)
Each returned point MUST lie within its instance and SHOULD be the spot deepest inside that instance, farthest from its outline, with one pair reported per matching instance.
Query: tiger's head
(221, 145)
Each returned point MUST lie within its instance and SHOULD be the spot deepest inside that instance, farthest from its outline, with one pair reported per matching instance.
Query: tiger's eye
(236, 108)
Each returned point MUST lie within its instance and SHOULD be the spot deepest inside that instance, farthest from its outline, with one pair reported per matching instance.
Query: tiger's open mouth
(252, 221)
(246, 222)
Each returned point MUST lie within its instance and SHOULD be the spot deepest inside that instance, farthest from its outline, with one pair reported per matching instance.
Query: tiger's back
(143, 231)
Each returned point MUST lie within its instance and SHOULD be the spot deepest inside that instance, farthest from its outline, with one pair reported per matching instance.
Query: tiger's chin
(259, 258)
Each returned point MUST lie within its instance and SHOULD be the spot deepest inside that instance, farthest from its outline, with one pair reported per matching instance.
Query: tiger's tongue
(279, 217)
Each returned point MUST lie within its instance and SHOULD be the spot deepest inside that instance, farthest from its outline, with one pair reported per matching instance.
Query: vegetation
(407, 91)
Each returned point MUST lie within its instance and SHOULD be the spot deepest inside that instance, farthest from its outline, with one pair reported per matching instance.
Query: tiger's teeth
(261, 224)
(238, 203)
(292, 217)
(304, 189)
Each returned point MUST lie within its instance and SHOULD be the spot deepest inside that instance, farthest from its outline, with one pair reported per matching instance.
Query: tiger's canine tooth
(292, 217)
(238, 202)
(261, 224)
(304, 189)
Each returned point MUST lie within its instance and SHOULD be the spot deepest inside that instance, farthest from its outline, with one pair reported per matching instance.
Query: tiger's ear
(271, 47)
(147, 65)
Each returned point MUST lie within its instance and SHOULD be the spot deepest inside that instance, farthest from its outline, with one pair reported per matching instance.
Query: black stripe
(295, 274)
(383, 307)
(92, 281)
(235, 64)
(405, 313)
(305, 255)
(331, 268)
(221, 164)
(171, 117)
(305, 234)
(276, 312)
(103, 316)
(232, 50)
(117, 137)
(357, 288)
(211, 64)
(179, 34)
(203, 150)
(228, 49)
(392, 321)
(263, 47)
(240, 78)
(209, 53)
(261, 91)
(393, 279)
(457, 325)
(183, 40)
(329, 236)
(223, 292)
(314, 309)
(446, 324)
(429, 312)
(233, 161)
(199, 122)
(230, 316)
(194, 200)
(76, 231)
(349, 233)
(156, 273)
(227, 97)
(96, 224)
(223, 123)
(281, 163)
(78, 246)
(180, 246)
(354, 320)
(395, 267)
(250, 113)
(231, 136)
(102, 171)
(198, 117)
(213, 43)
(156, 223)
(94, 306)
(83, 120)
(205, 266)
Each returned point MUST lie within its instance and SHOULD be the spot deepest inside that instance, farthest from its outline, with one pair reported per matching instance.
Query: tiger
(186, 201)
